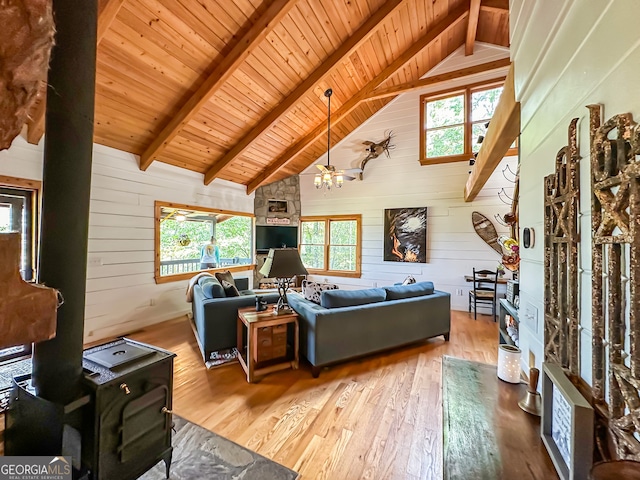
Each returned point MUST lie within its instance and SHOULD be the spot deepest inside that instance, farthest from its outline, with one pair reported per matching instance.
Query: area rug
(486, 435)
(465, 421)
(200, 454)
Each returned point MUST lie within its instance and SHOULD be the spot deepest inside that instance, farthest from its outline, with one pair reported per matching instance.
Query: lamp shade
(283, 263)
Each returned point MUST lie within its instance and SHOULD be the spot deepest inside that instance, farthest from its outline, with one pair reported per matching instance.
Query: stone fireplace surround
(287, 189)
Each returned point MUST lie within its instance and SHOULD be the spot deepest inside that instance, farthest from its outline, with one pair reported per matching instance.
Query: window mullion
(327, 237)
(467, 127)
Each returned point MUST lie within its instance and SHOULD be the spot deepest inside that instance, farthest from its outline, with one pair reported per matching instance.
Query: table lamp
(282, 264)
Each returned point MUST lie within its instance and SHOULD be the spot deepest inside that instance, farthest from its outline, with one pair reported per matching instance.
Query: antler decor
(27, 312)
(375, 150)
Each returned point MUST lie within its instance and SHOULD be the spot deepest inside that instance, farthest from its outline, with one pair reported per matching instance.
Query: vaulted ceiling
(233, 89)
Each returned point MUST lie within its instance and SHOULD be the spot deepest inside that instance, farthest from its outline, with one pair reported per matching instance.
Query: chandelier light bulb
(339, 180)
(317, 181)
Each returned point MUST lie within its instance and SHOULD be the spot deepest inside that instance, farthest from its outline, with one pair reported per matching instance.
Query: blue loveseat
(353, 323)
(215, 315)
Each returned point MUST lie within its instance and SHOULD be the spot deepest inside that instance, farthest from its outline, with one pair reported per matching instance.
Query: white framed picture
(567, 424)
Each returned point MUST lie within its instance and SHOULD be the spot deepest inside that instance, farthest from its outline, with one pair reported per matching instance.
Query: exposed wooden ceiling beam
(496, 6)
(432, 34)
(472, 27)
(503, 130)
(108, 11)
(107, 15)
(245, 46)
(360, 36)
(434, 80)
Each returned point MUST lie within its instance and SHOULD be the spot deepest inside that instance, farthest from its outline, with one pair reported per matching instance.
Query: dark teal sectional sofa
(215, 316)
(352, 323)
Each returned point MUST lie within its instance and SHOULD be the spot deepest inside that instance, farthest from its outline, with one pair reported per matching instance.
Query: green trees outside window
(182, 231)
(452, 122)
(331, 245)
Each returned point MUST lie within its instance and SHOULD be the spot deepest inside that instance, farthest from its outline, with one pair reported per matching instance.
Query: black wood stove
(120, 427)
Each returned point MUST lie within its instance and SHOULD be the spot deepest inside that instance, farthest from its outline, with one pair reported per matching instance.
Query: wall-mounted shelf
(505, 309)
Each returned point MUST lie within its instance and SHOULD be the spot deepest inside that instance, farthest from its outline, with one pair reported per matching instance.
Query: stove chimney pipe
(68, 148)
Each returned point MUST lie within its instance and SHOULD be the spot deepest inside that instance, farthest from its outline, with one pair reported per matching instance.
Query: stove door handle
(166, 410)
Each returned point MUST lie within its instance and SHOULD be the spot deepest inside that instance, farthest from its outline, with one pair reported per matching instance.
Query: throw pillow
(230, 289)
(409, 280)
(211, 288)
(226, 275)
(312, 290)
(352, 298)
(409, 291)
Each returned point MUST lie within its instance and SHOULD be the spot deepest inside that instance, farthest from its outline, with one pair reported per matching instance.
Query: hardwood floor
(374, 418)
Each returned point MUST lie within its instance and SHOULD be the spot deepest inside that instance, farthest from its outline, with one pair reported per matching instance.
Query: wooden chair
(484, 292)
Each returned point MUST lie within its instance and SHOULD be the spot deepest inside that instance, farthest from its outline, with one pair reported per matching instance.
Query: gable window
(331, 245)
(192, 239)
(453, 122)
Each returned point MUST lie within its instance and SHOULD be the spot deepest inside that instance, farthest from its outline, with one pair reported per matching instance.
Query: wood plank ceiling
(233, 89)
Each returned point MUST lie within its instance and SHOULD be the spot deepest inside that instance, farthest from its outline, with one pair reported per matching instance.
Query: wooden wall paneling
(497, 65)
(495, 6)
(204, 23)
(432, 34)
(256, 83)
(139, 96)
(615, 216)
(126, 67)
(161, 34)
(172, 26)
(243, 48)
(352, 43)
(315, 45)
(561, 317)
(146, 55)
(329, 29)
(108, 11)
(493, 28)
(472, 28)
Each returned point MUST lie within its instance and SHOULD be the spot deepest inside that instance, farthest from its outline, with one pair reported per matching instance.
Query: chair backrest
(485, 280)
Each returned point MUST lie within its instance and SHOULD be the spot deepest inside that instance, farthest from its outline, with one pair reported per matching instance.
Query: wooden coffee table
(263, 345)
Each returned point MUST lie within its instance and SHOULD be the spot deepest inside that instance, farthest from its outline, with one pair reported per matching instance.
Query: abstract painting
(405, 235)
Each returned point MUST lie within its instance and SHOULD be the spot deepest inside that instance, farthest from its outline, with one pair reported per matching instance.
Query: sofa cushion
(226, 275)
(351, 298)
(211, 288)
(230, 289)
(408, 291)
(312, 290)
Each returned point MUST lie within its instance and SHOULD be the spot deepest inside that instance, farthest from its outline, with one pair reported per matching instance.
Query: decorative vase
(509, 363)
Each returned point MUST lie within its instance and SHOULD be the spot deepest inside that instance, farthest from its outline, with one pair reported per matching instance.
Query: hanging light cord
(327, 94)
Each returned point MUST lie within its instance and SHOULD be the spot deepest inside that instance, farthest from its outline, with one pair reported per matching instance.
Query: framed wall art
(567, 424)
(405, 235)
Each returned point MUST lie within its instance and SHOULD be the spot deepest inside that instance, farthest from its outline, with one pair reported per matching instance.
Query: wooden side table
(266, 348)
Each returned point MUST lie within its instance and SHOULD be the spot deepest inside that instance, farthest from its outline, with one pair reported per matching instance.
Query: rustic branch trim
(615, 215)
(561, 197)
